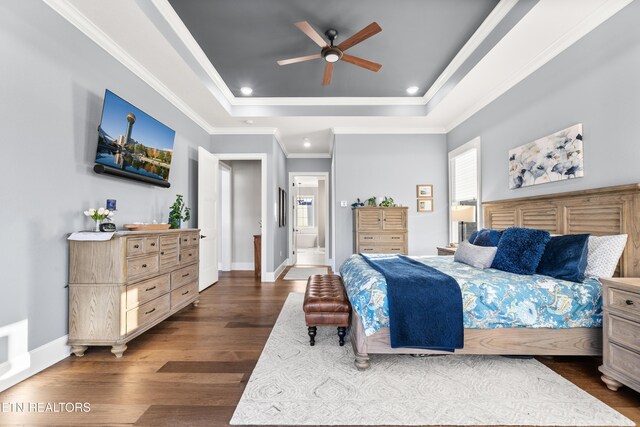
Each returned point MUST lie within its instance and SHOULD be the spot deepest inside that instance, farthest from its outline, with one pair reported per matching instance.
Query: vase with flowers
(98, 215)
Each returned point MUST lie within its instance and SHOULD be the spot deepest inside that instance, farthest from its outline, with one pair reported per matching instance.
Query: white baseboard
(272, 276)
(242, 266)
(33, 362)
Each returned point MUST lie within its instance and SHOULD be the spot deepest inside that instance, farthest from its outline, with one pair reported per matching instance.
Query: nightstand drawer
(627, 302)
(623, 360)
(624, 332)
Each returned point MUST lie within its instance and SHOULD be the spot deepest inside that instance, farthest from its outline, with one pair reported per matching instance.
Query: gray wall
(391, 165)
(594, 82)
(276, 177)
(246, 208)
(53, 82)
(321, 209)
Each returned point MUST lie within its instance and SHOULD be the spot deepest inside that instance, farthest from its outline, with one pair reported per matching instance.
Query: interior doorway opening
(309, 213)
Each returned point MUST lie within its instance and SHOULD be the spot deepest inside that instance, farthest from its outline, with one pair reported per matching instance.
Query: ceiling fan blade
(369, 65)
(306, 28)
(299, 59)
(368, 31)
(328, 71)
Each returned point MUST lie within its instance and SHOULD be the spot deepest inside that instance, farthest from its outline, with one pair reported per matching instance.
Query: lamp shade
(463, 213)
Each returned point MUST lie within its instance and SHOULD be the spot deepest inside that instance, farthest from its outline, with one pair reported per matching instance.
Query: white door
(208, 217)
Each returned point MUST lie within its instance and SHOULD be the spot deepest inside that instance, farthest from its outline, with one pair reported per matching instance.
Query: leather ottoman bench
(326, 304)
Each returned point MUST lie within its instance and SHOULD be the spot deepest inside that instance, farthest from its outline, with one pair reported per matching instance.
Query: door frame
(266, 238)
(225, 246)
(325, 175)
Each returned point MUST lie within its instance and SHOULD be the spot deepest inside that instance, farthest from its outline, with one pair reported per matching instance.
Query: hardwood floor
(191, 369)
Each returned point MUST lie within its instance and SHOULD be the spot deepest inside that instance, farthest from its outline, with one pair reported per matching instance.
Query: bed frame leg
(342, 331)
(362, 361)
(312, 335)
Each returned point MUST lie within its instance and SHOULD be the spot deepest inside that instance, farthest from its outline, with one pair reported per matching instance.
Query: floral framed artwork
(425, 205)
(424, 190)
(555, 157)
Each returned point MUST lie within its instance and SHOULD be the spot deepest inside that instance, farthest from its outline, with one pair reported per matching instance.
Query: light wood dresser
(621, 329)
(380, 230)
(120, 288)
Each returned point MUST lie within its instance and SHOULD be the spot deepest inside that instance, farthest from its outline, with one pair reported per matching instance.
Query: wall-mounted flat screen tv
(133, 144)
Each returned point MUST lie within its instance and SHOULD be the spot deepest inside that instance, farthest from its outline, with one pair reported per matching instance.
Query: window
(464, 190)
(304, 211)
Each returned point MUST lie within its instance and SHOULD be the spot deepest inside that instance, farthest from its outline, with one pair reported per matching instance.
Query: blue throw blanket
(425, 305)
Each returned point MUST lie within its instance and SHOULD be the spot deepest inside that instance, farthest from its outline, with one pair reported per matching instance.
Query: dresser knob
(144, 265)
(136, 246)
(629, 302)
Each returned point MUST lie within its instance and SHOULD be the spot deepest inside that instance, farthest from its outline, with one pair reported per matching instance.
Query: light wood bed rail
(600, 211)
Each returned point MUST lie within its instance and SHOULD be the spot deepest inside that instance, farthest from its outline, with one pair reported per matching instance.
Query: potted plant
(179, 212)
(98, 215)
(387, 202)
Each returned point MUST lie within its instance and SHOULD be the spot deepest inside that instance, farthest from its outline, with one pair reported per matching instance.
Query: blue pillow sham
(487, 237)
(473, 236)
(565, 257)
(520, 250)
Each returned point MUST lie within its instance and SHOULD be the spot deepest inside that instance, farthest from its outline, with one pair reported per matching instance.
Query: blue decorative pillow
(487, 237)
(473, 236)
(565, 257)
(520, 250)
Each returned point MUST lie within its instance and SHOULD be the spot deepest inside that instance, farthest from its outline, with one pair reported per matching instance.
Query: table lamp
(463, 214)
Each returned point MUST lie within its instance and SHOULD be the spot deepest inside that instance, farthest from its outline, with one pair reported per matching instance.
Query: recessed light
(249, 121)
(412, 90)
(307, 144)
(246, 90)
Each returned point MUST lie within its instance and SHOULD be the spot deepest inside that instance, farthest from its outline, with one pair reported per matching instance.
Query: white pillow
(604, 254)
(475, 256)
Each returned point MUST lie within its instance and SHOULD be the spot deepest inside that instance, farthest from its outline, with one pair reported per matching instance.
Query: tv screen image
(131, 140)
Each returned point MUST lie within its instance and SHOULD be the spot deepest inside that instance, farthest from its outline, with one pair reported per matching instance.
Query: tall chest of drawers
(380, 230)
(621, 329)
(122, 287)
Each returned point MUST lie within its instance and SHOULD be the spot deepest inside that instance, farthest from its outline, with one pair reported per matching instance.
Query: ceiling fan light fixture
(331, 54)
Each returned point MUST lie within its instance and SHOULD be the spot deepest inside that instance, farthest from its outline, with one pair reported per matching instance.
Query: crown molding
(386, 131)
(308, 156)
(88, 28)
(579, 30)
(488, 25)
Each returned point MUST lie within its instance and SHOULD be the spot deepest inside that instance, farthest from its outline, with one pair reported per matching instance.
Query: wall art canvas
(555, 157)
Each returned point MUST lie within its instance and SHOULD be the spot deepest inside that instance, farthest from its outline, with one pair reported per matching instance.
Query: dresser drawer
(183, 293)
(142, 266)
(169, 242)
(375, 249)
(627, 302)
(189, 239)
(146, 291)
(147, 313)
(184, 276)
(623, 331)
(169, 258)
(188, 256)
(623, 360)
(381, 238)
(135, 246)
(151, 245)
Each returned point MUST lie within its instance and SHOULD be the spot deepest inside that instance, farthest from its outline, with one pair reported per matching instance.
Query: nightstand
(446, 250)
(621, 333)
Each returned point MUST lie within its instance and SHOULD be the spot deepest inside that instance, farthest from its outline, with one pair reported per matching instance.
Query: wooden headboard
(600, 211)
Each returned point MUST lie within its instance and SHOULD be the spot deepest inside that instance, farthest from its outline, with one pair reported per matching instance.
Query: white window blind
(465, 176)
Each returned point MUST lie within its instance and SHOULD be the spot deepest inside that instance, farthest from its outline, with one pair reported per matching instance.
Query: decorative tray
(147, 226)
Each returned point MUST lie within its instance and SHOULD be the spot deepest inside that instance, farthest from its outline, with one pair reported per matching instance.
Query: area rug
(303, 273)
(296, 384)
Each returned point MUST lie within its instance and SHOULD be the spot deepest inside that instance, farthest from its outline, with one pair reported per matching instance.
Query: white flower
(106, 212)
(101, 211)
(92, 212)
(110, 213)
(87, 213)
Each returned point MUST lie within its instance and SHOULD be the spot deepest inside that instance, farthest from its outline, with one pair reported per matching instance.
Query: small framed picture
(424, 190)
(425, 205)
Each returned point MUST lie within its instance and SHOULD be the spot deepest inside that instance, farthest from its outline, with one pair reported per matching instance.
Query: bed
(570, 321)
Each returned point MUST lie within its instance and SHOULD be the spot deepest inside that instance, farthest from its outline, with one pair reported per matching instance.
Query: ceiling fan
(333, 54)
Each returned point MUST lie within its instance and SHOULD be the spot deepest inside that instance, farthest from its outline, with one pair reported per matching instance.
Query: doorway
(309, 209)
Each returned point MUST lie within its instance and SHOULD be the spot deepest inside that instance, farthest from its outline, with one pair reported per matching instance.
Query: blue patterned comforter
(491, 298)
